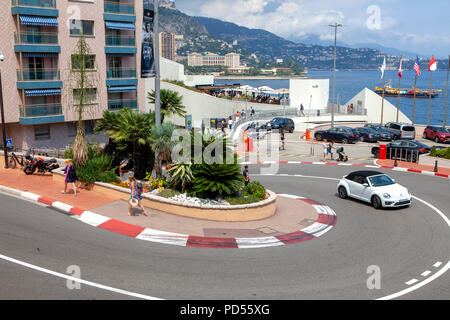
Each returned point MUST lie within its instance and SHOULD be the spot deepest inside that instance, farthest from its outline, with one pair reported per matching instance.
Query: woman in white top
(325, 151)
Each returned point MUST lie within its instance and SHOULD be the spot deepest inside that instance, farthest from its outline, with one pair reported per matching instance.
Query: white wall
(171, 70)
(195, 80)
(372, 102)
(301, 91)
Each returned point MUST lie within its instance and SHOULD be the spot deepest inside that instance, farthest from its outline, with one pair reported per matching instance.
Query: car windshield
(441, 130)
(381, 181)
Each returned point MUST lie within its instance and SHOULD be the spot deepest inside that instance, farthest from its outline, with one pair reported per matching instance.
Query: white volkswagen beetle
(374, 187)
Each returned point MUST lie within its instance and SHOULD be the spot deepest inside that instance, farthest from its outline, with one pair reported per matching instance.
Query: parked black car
(385, 134)
(338, 134)
(368, 135)
(281, 123)
(407, 150)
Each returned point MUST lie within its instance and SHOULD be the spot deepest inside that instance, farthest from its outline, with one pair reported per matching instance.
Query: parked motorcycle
(40, 165)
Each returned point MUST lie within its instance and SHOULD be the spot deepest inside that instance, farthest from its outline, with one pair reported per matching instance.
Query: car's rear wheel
(425, 135)
(319, 137)
(344, 141)
(342, 192)
(436, 139)
(376, 202)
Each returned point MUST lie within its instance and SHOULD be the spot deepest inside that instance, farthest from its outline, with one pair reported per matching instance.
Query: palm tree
(129, 127)
(162, 144)
(171, 103)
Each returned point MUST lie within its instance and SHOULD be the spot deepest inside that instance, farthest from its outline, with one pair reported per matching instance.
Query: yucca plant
(180, 176)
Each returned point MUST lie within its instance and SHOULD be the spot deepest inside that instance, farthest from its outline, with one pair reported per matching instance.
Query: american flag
(417, 67)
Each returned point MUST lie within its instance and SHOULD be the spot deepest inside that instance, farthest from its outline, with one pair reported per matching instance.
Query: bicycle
(20, 160)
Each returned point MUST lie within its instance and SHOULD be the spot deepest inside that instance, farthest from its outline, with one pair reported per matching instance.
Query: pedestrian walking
(230, 123)
(136, 190)
(246, 175)
(330, 149)
(325, 151)
(282, 139)
(301, 110)
(238, 115)
(71, 177)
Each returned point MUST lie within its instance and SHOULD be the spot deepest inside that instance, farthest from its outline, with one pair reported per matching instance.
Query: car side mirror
(365, 185)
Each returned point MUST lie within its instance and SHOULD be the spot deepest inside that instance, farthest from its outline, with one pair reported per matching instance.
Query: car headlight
(387, 195)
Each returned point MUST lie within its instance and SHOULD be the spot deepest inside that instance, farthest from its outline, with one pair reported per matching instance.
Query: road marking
(437, 264)
(88, 283)
(412, 281)
(426, 273)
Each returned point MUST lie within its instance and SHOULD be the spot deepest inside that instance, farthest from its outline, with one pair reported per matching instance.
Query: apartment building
(167, 47)
(39, 39)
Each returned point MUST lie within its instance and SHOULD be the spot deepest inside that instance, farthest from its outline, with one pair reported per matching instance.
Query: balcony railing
(36, 38)
(120, 41)
(121, 73)
(120, 104)
(38, 75)
(40, 110)
(115, 7)
(35, 3)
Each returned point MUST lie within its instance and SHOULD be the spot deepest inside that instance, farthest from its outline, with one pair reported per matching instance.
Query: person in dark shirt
(246, 175)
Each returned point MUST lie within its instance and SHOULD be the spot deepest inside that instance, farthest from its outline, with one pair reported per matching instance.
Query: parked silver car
(401, 130)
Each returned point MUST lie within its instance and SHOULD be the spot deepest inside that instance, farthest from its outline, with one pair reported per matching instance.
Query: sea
(350, 82)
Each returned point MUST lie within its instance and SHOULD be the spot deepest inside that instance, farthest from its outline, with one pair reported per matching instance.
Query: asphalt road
(401, 243)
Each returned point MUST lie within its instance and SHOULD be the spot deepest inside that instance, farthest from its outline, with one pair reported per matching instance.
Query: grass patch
(234, 201)
(168, 193)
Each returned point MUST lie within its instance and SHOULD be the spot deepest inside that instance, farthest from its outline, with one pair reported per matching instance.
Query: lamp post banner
(148, 53)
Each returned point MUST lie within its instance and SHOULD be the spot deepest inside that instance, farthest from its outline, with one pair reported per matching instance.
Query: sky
(415, 26)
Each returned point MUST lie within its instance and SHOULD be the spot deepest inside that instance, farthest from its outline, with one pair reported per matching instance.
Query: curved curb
(428, 173)
(326, 221)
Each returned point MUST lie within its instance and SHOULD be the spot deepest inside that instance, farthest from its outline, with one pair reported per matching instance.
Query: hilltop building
(231, 60)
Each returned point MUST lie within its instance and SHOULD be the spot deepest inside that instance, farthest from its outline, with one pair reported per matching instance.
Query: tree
(81, 92)
(162, 144)
(171, 103)
(130, 128)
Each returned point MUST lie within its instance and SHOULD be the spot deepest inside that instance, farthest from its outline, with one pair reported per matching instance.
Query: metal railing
(264, 115)
(121, 73)
(120, 104)
(115, 7)
(124, 41)
(36, 38)
(38, 74)
(40, 110)
(35, 3)
(404, 155)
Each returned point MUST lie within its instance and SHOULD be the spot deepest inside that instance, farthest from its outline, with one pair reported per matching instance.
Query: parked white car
(374, 187)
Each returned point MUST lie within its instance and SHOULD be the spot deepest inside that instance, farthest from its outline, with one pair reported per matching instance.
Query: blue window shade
(39, 55)
(119, 25)
(122, 89)
(40, 93)
(39, 21)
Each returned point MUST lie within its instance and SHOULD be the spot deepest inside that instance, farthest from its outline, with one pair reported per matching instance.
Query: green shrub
(243, 199)
(255, 189)
(444, 153)
(168, 193)
(98, 168)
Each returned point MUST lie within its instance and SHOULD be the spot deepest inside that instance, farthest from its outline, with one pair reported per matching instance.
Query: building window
(87, 60)
(81, 27)
(71, 129)
(42, 132)
(90, 96)
(89, 126)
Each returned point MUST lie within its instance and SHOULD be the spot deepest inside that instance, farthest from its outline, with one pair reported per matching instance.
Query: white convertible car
(374, 187)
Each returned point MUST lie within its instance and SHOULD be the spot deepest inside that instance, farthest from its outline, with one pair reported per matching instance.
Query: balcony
(122, 41)
(121, 73)
(120, 8)
(34, 7)
(38, 79)
(115, 105)
(39, 38)
(41, 114)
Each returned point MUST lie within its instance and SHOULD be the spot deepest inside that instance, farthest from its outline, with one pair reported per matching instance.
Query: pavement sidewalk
(415, 166)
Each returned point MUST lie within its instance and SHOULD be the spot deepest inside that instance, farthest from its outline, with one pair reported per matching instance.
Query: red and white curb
(428, 173)
(326, 221)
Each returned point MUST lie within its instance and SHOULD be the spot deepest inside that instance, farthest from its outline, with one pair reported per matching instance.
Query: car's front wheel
(345, 141)
(425, 135)
(376, 202)
(436, 139)
(318, 137)
(342, 192)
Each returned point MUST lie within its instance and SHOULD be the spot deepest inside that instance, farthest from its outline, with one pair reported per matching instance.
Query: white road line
(412, 281)
(88, 283)
(426, 273)
(437, 264)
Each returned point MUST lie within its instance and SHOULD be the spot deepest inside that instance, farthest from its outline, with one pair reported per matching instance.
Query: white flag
(383, 68)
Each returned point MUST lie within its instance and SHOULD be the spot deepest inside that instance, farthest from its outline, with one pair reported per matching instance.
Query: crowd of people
(256, 98)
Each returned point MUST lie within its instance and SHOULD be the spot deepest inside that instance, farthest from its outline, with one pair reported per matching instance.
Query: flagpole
(414, 101)
(429, 95)
(446, 93)
(382, 101)
(398, 97)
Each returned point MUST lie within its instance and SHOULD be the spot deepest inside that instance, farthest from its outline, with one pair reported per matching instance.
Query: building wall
(301, 91)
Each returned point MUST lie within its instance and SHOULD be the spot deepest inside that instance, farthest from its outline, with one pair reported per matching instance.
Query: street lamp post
(5, 149)
(157, 66)
(335, 26)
